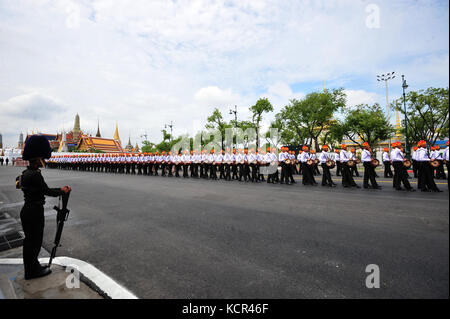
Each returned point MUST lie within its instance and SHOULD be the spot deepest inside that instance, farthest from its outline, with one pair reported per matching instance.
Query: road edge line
(105, 284)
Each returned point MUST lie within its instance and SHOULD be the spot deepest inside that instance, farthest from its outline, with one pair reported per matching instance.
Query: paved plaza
(164, 237)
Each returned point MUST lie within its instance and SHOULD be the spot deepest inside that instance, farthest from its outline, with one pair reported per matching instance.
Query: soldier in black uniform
(35, 189)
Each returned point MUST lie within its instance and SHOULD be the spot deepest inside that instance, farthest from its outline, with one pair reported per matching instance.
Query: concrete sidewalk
(70, 278)
(14, 286)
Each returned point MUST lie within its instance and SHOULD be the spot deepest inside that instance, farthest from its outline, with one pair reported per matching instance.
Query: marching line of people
(270, 166)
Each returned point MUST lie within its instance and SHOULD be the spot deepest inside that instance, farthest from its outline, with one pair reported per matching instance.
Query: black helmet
(36, 146)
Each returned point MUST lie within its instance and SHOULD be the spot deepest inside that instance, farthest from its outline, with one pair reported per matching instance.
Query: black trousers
(425, 179)
(387, 169)
(308, 174)
(254, 175)
(227, 172)
(32, 218)
(400, 175)
(369, 174)
(338, 168)
(246, 172)
(234, 170)
(284, 173)
(326, 175)
(185, 170)
(440, 173)
(222, 171)
(347, 178)
(415, 166)
(354, 170)
(240, 171)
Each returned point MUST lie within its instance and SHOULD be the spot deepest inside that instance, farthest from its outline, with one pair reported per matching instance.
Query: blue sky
(145, 63)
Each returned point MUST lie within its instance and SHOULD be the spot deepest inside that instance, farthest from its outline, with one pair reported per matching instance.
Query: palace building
(76, 139)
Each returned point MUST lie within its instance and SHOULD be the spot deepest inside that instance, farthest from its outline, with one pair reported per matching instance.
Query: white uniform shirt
(422, 155)
(446, 154)
(344, 156)
(396, 155)
(283, 156)
(337, 158)
(304, 157)
(227, 157)
(218, 158)
(323, 157)
(438, 155)
(366, 156)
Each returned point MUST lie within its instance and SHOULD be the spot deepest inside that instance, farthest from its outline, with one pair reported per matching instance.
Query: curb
(102, 283)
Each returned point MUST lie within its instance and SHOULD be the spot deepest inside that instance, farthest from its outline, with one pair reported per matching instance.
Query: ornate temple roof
(98, 143)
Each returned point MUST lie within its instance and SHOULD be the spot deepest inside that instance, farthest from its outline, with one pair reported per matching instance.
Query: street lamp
(405, 86)
(235, 114)
(235, 120)
(170, 126)
(386, 77)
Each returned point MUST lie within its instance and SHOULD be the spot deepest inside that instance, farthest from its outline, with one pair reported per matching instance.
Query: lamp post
(235, 114)
(235, 119)
(170, 126)
(405, 86)
(386, 77)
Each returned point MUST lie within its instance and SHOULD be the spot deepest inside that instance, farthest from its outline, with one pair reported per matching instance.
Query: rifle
(61, 216)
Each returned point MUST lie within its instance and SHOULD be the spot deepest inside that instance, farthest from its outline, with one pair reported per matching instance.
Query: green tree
(216, 121)
(311, 115)
(365, 123)
(285, 135)
(241, 133)
(147, 147)
(262, 106)
(426, 113)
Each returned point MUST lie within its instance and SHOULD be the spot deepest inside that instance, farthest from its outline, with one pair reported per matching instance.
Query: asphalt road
(181, 238)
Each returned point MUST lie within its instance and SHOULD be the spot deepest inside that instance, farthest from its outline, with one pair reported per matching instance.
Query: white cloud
(213, 96)
(356, 97)
(145, 63)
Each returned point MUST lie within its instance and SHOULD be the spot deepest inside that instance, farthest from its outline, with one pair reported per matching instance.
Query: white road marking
(105, 283)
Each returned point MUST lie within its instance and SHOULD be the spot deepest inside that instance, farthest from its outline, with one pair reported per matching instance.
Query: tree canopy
(426, 114)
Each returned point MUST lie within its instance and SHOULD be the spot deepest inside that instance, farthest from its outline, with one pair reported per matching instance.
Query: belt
(40, 202)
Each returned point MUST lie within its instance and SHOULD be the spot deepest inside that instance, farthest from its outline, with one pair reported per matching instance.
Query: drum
(375, 162)
(287, 162)
(316, 161)
(351, 163)
(331, 164)
(309, 162)
(407, 163)
(434, 163)
(358, 161)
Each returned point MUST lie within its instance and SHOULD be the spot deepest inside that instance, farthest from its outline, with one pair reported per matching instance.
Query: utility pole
(171, 127)
(235, 114)
(386, 77)
(405, 86)
(235, 119)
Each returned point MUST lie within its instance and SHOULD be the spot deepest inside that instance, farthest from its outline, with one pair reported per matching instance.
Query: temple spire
(76, 127)
(116, 134)
(98, 129)
(398, 126)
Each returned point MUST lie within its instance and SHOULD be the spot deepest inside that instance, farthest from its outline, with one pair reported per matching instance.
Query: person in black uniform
(35, 189)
